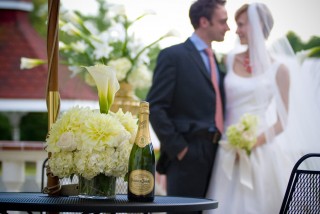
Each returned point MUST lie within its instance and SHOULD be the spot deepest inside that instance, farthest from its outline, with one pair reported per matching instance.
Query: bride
(260, 82)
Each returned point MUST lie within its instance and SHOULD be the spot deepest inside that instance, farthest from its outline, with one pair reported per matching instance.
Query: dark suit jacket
(182, 98)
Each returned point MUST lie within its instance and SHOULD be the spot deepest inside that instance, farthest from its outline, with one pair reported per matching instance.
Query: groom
(184, 101)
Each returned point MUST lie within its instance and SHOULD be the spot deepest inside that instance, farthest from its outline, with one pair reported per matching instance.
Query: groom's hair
(203, 8)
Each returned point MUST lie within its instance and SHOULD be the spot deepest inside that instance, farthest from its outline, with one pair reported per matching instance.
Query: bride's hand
(260, 141)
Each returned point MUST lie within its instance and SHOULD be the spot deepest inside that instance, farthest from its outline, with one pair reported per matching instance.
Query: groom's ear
(203, 22)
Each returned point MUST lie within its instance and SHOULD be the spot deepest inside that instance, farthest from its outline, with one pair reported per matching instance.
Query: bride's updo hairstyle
(264, 14)
(266, 19)
(241, 10)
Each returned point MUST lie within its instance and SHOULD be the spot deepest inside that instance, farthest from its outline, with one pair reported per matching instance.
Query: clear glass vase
(99, 187)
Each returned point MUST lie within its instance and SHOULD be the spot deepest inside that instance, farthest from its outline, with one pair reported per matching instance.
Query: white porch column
(13, 175)
(14, 155)
(15, 118)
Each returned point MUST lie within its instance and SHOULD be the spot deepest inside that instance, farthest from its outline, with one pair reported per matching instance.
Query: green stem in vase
(100, 186)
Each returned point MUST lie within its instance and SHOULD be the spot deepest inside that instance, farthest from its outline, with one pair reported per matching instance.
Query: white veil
(301, 119)
(262, 62)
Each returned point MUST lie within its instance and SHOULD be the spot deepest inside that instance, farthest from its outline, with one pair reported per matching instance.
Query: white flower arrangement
(243, 135)
(107, 38)
(87, 142)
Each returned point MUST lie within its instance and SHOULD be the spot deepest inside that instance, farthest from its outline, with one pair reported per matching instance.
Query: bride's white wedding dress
(255, 183)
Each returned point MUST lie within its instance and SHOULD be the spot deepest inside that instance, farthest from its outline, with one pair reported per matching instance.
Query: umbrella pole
(53, 97)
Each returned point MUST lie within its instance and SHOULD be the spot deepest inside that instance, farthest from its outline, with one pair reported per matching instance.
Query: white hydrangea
(61, 164)
(140, 77)
(122, 66)
(88, 143)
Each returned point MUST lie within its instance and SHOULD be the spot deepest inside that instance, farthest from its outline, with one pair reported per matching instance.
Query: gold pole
(53, 97)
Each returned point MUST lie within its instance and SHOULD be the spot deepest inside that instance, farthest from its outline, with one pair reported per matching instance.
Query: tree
(38, 16)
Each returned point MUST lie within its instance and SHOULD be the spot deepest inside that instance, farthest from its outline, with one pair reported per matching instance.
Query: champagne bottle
(141, 179)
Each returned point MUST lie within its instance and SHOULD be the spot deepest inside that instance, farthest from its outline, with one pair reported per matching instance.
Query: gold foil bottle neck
(144, 107)
(143, 135)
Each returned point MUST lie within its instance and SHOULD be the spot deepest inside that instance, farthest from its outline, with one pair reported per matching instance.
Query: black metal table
(17, 201)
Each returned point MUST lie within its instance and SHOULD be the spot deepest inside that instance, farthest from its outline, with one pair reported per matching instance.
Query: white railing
(14, 155)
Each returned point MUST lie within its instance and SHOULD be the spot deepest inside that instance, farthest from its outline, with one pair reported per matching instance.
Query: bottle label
(143, 141)
(143, 138)
(141, 182)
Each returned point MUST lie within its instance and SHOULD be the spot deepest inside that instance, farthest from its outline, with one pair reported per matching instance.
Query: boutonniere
(220, 57)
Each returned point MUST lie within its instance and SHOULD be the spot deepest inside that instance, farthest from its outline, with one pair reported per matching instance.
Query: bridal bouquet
(89, 142)
(243, 135)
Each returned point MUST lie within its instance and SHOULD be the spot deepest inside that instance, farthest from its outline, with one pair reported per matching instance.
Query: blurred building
(23, 91)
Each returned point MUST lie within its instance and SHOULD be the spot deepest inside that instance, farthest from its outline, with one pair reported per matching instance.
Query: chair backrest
(303, 190)
(43, 172)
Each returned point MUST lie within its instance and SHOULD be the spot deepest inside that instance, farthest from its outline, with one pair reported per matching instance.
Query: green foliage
(295, 41)
(142, 93)
(5, 128)
(153, 54)
(34, 127)
(39, 15)
(313, 42)
(315, 52)
(298, 45)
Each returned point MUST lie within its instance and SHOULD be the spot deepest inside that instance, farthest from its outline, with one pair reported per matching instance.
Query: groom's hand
(181, 154)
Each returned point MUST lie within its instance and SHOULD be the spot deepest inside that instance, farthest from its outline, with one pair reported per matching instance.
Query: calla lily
(28, 63)
(72, 17)
(71, 29)
(107, 85)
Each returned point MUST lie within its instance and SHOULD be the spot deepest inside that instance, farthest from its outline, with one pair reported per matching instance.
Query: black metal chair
(43, 171)
(303, 190)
